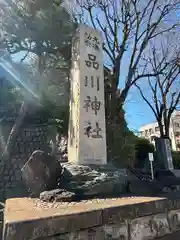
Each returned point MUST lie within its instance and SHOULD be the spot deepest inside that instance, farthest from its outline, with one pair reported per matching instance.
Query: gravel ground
(108, 201)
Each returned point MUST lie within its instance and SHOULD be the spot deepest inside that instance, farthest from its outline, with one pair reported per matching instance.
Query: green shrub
(120, 145)
(142, 147)
(176, 159)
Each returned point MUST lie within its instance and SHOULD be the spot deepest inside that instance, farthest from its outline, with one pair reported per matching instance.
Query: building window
(142, 133)
(157, 129)
(146, 132)
(177, 134)
(178, 144)
(176, 124)
(153, 138)
(150, 130)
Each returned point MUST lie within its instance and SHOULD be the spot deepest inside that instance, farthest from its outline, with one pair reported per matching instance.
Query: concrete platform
(32, 219)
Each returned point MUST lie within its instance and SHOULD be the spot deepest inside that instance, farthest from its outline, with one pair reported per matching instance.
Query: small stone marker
(168, 154)
(87, 131)
(163, 149)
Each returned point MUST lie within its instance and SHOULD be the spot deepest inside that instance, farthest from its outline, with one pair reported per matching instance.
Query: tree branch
(146, 100)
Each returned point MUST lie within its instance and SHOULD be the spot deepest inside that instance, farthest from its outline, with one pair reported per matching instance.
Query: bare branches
(25, 56)
(164, 88)
(146, 100)
(129, 26)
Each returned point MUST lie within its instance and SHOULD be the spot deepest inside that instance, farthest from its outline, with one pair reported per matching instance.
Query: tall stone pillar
(87, 130)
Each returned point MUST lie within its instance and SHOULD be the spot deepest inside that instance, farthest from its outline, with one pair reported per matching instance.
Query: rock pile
(50, 180)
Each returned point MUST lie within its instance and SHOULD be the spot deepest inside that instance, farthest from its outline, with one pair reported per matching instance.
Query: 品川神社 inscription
(87, 131)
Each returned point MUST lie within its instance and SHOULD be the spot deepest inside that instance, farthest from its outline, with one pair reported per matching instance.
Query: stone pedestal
(87, 133)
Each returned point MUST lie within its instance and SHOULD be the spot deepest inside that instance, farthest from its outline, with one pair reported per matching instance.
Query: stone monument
(164, 155)
(86, 174)
(87, 130)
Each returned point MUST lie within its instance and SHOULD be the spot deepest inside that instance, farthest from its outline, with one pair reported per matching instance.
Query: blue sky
(137, 111)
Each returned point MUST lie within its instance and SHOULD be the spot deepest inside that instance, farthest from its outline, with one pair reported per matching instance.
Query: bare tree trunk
(14, 132)
(166, 129)
(161, 129)
(123, 96)
(113, 104)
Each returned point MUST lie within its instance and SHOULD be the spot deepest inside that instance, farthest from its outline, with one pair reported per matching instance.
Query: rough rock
(93, 180)
(60, 195)
(41, 172)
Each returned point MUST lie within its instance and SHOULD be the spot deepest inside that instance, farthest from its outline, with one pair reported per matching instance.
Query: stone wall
(137, 218)
(30, 138)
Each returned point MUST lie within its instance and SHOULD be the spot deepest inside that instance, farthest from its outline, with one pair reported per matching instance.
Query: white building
(150, 131)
